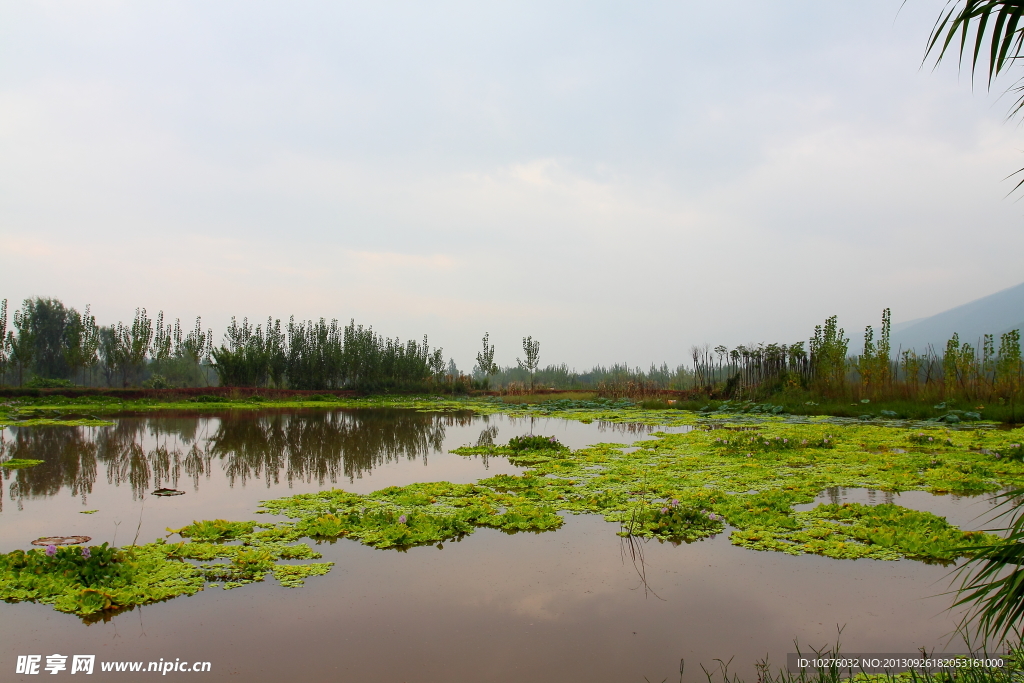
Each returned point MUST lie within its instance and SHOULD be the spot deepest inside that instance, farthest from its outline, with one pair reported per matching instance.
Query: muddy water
(565, 605)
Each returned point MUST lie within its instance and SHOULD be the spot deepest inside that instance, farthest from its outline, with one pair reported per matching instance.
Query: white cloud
(620, 184)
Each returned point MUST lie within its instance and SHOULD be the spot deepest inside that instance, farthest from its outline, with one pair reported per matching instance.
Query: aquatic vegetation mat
(685, 487)
(740, 473)
(20, 463)
(88, 581)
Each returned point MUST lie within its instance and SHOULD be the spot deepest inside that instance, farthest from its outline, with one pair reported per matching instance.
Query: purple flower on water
(748, 455)
(51, 550)
(86, 553)
(664, 511)
(401, 520)
(785, 441)
(675, 502)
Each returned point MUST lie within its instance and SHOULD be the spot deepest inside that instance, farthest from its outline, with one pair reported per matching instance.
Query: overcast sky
(618, 179)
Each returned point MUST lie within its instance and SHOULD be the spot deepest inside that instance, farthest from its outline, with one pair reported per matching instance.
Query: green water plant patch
(686, 487)
(20, 463)
(90, 580)
(747, 476)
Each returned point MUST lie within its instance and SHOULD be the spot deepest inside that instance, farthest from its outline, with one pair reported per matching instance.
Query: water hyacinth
(401, 519)
(664, 511)
(51, 550)
(86, 553)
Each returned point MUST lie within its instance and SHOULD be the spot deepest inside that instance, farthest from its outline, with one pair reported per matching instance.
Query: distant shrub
(43, 383)
(156, 382)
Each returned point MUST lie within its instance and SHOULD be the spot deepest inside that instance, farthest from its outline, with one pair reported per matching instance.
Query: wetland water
(562, 605)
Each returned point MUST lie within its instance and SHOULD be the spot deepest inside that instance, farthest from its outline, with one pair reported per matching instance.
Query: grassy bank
(901, 409)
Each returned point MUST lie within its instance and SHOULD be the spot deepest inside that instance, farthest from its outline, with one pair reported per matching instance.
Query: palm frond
(988, 32)
(993, 579)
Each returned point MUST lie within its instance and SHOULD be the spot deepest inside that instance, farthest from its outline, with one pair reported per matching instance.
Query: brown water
(561, 606)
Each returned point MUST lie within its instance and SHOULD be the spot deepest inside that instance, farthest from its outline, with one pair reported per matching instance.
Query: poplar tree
(485, 360)
(532, 351)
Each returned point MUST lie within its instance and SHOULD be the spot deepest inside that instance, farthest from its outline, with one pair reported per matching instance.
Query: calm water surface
(561, 606)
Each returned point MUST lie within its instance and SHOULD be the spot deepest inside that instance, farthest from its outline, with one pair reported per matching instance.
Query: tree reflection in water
(154, 452)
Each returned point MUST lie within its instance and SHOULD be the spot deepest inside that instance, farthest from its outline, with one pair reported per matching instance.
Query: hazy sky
(618, 179)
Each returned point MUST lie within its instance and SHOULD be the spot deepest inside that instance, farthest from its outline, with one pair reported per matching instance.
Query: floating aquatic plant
(20, 463)
(535, 443)
(742, 476)
(215, 530)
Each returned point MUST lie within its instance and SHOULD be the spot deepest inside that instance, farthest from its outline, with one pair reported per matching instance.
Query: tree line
(52, 345)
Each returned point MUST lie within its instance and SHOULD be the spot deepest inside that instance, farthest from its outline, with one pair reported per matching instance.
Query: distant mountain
(994, 314)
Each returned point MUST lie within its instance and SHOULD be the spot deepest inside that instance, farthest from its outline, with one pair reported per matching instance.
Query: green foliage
(21, 347)
(535, 443)
(995, 22)
(828, 355)
(324, 526)
(294, 575)
(874, 364)
(485, 358)
(992, 581)
(911, 533)
(92, 567)
(675, 522)
(1013, 451)
(419, 514)
(157, 381)
(250, 355)
(763, 443)
(49, 320)
(20, 463)
(321, 355)
(109, 579)
(44, 383)
(531, 349)
(207, 398)
(81, 341)
(676, 487)
(4, 350)
(1009, 366)
(929, 439)
(215, 530)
